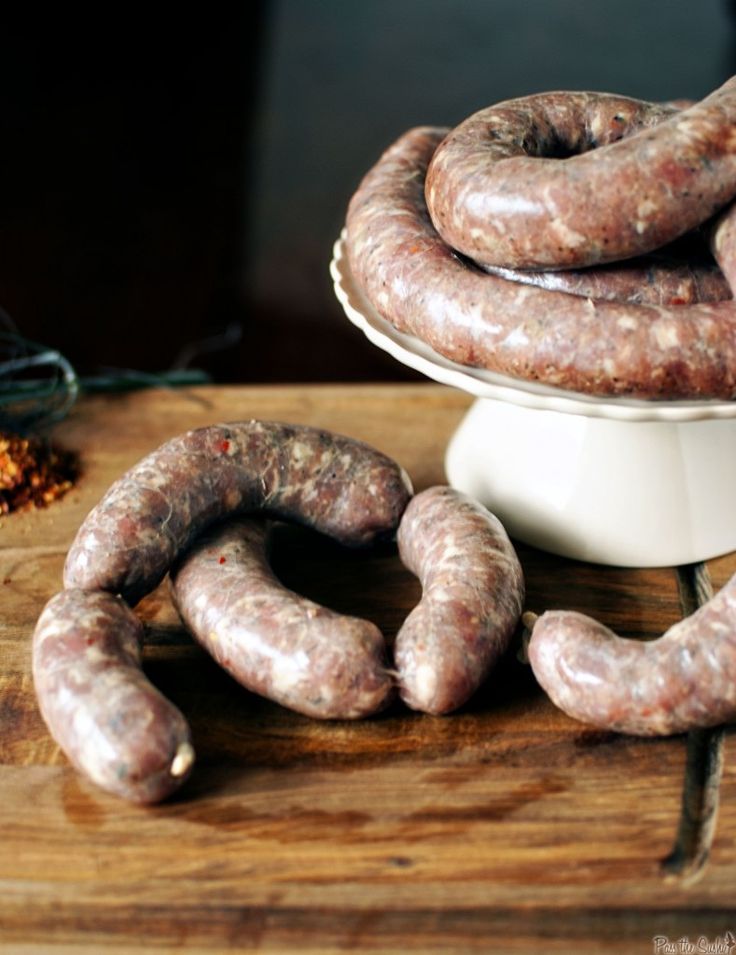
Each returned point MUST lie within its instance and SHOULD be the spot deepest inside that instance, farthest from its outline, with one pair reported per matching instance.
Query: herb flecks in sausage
(598, 347)
(335, 484)
(111, 722)
(273, 641)
(656, 173)
(684, 680)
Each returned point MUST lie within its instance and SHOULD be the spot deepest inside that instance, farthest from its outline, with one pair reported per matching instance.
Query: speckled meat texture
(420, 285)
(648, 280)
(723, 243)
(113, 725)
(272, 640)
(684, 680)
(472, 597)
(497, 191)
(335, 484)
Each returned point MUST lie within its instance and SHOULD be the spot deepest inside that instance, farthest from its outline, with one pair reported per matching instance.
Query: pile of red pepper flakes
(33, 473)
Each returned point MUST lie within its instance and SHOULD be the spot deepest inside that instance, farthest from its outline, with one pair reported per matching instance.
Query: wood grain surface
(506, 827)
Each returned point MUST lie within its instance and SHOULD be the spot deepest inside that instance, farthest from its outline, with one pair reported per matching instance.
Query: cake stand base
(608, 480)
(634, 494)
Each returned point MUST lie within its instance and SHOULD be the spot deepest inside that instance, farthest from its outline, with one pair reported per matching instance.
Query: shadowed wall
(168, 180)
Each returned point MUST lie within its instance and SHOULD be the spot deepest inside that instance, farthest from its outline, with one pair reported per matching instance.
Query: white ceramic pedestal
(640, 494)
(614, 481)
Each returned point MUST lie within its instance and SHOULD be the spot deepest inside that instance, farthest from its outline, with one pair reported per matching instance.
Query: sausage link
(420, 285)
(635, 176)
(274, 642)
(678, 274)
(472, 597)
(723, 243)
(112, 724)
(648, 280)
(338, 485)
(686, 679)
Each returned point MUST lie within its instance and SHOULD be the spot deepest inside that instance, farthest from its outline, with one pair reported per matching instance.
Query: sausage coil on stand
(441, 208)
(564, 239)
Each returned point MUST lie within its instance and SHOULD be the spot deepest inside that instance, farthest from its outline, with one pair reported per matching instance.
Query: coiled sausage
(419, 284)
(497, 192)
(656, 279)
(723, 243)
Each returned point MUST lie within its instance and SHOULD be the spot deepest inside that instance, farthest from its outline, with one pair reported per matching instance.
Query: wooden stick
(686, 862)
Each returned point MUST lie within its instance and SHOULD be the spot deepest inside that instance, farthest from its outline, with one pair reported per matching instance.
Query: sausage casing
(472, 597)
(419, 284)
(111, 722)
(635, 176)
(686, 679)
(338, 485)
(273, 641)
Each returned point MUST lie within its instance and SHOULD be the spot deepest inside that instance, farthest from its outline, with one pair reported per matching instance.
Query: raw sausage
(656, 279)
(421, 285)
(472, 596)
(635, 176)
(338, 485)
(723, 243)
(273, 641)
(684, 680)
(113, 725)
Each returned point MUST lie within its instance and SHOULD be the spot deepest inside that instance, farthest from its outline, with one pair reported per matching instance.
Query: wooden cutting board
(505, 827)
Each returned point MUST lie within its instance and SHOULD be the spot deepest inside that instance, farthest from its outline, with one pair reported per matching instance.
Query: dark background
(169, 178)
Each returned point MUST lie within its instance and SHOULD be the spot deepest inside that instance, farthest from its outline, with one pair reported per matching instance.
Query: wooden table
(506, 827)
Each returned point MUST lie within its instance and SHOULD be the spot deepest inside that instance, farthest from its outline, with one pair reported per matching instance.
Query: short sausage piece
(684, 680)
(273, 641)
(338, 485)
(472, 597)
(113, 725)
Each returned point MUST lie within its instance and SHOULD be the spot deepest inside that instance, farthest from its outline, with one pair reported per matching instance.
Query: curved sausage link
(416, 282)
(684, 680)
(338, 485)
(271, 640)
(113, 725)
(472, 597)
(648, 280)
(497, 191)
(723, 243)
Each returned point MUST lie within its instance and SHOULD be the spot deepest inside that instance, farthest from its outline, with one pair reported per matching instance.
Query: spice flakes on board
(33, 474)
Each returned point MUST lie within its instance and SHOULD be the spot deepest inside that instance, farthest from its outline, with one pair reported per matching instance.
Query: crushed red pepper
(33, 473)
